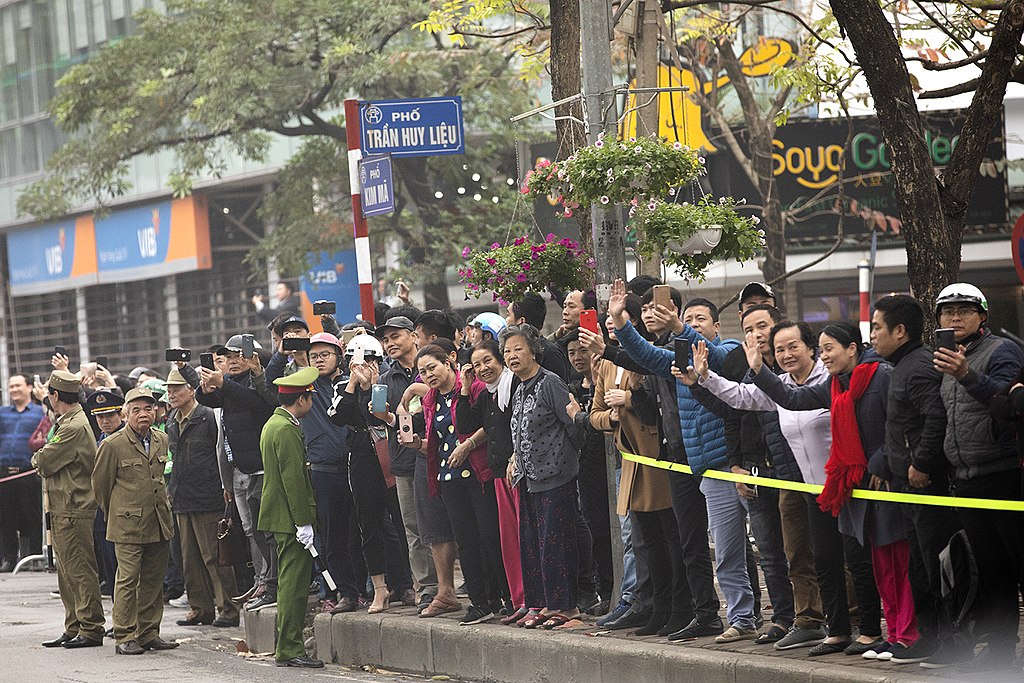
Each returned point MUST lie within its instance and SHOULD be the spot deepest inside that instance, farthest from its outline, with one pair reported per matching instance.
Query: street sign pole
(359, 229)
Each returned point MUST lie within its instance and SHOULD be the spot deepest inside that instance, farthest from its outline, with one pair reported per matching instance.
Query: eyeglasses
(958, 312)
(323, 355)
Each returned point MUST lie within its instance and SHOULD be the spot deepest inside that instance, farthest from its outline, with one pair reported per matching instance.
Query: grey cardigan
(544, 437)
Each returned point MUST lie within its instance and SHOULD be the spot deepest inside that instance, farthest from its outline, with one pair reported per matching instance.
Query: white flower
(755, 220)
(677, 145)
(604, 199)
(671, 192)
(700, 160)
(599, 144)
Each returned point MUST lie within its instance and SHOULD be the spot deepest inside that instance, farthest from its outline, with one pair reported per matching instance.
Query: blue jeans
(766, 523)
(628, 586)
(727, 523)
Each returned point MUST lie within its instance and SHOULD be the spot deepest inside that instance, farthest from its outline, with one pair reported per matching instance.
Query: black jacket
(246, 407)
(195, 484)
(485, 414)
(915, 422)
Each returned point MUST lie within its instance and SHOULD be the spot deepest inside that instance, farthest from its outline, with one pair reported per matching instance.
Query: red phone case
(588, 320)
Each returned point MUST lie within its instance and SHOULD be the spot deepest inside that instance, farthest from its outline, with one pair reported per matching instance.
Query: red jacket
(477, 457)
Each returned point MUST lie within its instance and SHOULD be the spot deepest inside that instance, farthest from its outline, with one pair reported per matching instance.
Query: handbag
(232, 546)
(380, 445)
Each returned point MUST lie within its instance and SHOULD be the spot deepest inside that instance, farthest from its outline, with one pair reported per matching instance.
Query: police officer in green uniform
(129, 485)
(65, 464)
(289, 512)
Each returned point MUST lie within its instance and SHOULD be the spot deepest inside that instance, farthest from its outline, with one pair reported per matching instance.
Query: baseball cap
(755, 289)
(289, 321)
(235, 344)
(399, 322)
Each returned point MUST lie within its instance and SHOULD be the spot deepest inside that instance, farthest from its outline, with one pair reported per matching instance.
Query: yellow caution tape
(865, 494)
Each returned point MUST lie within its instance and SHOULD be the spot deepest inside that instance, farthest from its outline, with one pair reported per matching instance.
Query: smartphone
(464, 356)
(944, 338)
(662, 296)
(102, 362)
(358, 356)
(379, 398)
(60, 351)
(682, 353)
(206, 361)
(324, 307)
(295, 344)
(177, 355)
(405, 432)
(35, 380)
(248, 345)
(588, 320)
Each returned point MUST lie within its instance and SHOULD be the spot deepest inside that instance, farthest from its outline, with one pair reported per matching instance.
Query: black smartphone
(177, 355)
(60, 351)
(248, 345)
(682, 347)
(464, 356)
(295, 344)
(206, 361)
(944, 338)
(324, 307)
(102, 362)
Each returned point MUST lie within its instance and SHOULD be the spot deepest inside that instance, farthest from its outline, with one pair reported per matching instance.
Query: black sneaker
(265, 600)
(947, 656)
(695, 630)
(916, 653)
(476, 615)
(587, 602)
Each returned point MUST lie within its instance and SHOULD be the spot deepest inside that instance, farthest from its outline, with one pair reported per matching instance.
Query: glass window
(99, 22)
(80, 20)
(7, 31)
(62, 29)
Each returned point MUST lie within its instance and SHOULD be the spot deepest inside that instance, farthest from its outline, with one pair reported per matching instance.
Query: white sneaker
(179, 602)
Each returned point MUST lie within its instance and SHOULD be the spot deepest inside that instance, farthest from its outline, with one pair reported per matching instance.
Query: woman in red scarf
(857, 397)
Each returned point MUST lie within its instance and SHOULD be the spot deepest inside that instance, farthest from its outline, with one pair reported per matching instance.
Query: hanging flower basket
(689, 237)
(521, 266)
(615, 172)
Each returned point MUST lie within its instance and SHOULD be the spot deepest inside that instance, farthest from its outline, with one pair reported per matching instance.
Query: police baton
(322, 568)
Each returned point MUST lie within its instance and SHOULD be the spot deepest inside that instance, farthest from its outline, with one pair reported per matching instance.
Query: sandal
(511, 619)
(530, 614)
(554, 621)
(437, 608)
(534, 621)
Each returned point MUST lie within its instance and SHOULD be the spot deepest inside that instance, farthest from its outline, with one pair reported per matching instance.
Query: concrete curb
(491, 652)
(260, 631)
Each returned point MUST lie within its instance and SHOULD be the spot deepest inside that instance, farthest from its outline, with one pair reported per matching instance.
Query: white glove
(304, 535)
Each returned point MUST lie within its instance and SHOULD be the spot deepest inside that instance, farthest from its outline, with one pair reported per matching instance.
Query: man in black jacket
(197, 500)
(246, 405)
(915, 426)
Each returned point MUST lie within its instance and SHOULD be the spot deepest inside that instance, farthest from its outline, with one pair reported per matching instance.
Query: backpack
(959, 575)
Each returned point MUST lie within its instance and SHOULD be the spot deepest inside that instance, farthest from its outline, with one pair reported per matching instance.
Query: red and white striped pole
(359, 229)
(864, 277)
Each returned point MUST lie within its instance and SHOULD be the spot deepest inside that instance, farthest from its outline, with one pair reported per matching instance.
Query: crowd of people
(392, 451)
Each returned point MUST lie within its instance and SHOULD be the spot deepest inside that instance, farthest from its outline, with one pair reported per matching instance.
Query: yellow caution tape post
(865, 494)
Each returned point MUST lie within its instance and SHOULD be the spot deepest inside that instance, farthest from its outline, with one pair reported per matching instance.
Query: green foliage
(660, 224)
(512, 270)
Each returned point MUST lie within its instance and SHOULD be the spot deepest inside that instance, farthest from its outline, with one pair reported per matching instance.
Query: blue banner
(332, 277)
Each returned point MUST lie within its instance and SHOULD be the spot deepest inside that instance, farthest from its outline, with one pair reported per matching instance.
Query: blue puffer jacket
(703, 431)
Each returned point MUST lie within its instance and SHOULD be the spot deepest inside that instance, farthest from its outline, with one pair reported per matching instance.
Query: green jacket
(129, 487)
(287, 500)
(65, 463)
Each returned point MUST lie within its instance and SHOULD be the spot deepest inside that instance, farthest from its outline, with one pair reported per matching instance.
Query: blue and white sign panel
(412, 128)
(376, 187)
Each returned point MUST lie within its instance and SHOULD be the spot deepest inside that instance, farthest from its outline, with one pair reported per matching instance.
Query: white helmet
(372, 350)
(961, 292)
(490, 322)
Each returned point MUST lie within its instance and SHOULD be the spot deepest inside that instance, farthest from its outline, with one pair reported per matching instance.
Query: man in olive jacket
(65, 463)
(288, 510)
(129, 485)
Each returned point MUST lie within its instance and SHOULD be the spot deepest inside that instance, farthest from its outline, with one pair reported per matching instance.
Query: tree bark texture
(933, 210)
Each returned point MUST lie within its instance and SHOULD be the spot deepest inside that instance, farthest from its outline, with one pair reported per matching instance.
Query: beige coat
(642, 488)
(129, 487)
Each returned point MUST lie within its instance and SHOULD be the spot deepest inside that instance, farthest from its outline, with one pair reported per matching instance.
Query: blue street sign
(412, 128)
(376, 188)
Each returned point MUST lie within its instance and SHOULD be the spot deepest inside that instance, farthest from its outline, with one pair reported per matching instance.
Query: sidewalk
(398, 640)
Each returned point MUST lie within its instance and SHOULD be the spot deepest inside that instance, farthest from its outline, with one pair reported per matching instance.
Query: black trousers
(593, 481)
(473, 514)
(333, 509)
(691, 513)
(929, 529)
(21, 512)
(381, 548)
(672, 598)
(833, 553)
(106, 560)
(585, 572)
(997, 539)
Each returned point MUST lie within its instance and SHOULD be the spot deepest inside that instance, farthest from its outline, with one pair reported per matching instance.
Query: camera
(295, 344)
(324, 307)
(177, 355)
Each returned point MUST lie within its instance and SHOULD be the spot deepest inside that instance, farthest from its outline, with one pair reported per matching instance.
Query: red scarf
(846, 460)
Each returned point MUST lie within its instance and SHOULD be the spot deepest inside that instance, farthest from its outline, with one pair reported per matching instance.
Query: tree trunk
(933, 214)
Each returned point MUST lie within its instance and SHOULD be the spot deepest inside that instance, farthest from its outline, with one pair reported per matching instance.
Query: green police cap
(62, 380)
(299, 382)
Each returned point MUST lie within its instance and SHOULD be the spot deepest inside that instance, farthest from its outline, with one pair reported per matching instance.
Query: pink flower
(491, 261)
(519, 240)
(550, 238)
(521, 277)
(543, 163)
(466, 251)
(591, 263)
(568, 213)
(496, 245)
(526, 265)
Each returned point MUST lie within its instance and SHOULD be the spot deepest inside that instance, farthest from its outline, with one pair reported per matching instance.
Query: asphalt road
(29, 615)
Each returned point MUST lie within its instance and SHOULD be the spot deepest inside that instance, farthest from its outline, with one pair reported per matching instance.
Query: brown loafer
(195, 618)
(344, 605)
(159, 643)
(129, 647)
